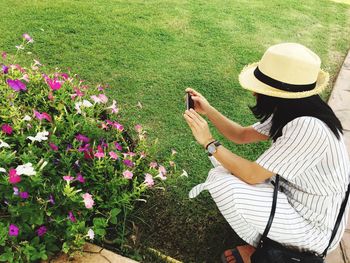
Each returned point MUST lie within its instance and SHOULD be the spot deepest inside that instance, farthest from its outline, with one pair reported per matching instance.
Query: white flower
(161, 176)
(27, 118)
(113, 107)
(91, 234)
(26, 169)
(2, 170)
(87, 103)
(40, 136)
(184, 173)
(4, 144)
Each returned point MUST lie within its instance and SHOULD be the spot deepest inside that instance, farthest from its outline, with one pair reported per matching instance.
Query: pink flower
(128, 163)
(50, 96)
(118, 126)
(54, 84)
(100, 98)
(138, 127)
(149, 180)
(71, 216)
(78, 93)
(80, 178)
(13, 230)
(113, 155)
(113, 107)
(118, 146)
(143, 154)
(15, 191)
(25, 77)
(128, 174)
(100, 153)
(82, 138)
(41, 231)
(68, 178)
(43, 115)
(28, 38)
(7, 129)
(24, 195)
(162, 169)
(16, 85)
(53, 146)
(153, 164)
(4, 55)
(88, 200)
(14, 178)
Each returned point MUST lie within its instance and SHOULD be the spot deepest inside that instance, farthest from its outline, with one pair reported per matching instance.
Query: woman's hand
(201, 105)
(199, 127)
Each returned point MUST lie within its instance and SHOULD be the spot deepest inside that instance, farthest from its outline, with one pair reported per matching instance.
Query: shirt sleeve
(263, 128)
(302, 145)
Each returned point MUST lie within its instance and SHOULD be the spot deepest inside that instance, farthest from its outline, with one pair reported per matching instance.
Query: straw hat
(286, 70)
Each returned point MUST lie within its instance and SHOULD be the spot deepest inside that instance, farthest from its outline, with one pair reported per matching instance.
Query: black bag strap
(339, 218)
(273, 210)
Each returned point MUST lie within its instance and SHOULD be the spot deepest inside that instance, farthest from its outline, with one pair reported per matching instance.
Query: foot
(245, 251)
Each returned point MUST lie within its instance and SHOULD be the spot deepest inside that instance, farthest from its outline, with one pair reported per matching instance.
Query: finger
(190, 122)
(193, 117)
(193, 92)
(197, 115)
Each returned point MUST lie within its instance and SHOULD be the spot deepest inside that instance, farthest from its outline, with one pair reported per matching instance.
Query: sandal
(239, 254)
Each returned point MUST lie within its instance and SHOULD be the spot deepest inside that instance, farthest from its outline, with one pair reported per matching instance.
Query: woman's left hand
(199, 127)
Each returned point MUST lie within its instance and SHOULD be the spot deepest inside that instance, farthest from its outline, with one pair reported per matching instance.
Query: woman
(307, 151)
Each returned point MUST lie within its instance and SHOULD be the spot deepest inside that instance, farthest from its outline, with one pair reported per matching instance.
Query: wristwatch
(212, 147)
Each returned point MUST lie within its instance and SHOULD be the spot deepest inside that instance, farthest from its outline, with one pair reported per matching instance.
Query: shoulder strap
(336, 226)
(339, 218)
(273, 208)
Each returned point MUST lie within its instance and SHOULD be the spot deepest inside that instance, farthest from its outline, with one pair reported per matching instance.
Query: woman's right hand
(201, 105)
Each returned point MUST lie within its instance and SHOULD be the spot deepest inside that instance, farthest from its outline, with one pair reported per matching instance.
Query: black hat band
(282, 85)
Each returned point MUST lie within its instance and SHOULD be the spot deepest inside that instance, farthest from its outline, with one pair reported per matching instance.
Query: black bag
(269, 251)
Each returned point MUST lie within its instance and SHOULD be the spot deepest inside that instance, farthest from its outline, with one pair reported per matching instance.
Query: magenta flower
(7, 129)
(88, 201)
(128, 163)
(68, 178)
(28, 38)
(53, 146)
(54, 84)
(118, 126)
(13, 230)
(16, 85)
(51, 200)
(78, 93)
(80, 178)
(14, 178)
(41, 231)
(24, 195)
(113, 155)
(82, 138)
(43, 115)
(100, 153)
(84, 148)
(5, 69)
(128, 174)
(71, 217)
(149, 180)
(118, 146)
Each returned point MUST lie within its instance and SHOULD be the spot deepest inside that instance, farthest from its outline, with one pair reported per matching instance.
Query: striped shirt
(314, 168)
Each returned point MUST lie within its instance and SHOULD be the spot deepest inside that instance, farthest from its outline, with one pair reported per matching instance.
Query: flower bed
(69, 171)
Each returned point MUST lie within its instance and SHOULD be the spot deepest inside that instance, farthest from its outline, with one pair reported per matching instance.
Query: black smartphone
(189, 101)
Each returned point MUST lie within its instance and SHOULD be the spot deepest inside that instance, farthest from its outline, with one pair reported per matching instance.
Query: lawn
(149, 52)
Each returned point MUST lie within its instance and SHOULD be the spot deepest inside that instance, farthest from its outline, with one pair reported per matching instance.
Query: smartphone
(189, 101)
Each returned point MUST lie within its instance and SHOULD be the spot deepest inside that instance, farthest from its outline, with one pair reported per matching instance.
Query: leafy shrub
(69, 171)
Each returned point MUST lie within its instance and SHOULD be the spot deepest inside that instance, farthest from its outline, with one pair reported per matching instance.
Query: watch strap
(206, 147)
(216, 143)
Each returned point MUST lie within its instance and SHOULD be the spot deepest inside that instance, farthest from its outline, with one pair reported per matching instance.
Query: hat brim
(250, 82)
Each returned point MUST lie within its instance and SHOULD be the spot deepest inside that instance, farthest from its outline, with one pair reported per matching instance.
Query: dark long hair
(286, 110)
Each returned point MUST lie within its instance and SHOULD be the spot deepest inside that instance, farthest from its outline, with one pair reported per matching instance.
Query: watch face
(211, 148)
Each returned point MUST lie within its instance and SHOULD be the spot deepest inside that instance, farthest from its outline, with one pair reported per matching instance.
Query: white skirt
(247, 209)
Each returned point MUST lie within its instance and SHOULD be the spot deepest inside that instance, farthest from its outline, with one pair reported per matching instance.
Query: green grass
(150, 51)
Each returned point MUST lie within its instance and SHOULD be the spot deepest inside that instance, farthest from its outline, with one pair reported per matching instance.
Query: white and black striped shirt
(314, 168)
